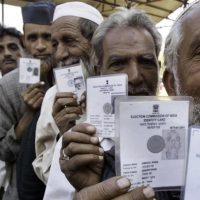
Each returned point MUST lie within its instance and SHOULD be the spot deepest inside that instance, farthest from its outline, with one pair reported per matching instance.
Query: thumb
(105, 190)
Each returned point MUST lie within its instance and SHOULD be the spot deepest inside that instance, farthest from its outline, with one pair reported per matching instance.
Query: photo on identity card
(29, 70)
(101, 94)
(70, 79)
(152, 140)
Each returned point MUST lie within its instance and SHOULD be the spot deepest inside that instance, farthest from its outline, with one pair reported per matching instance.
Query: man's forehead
(65, 21)
(9, 39)
(128, 36)
(191, 28)
(67, 25)
(192, 17)
(36, 28)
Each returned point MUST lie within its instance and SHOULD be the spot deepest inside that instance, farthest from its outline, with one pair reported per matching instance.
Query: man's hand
(114, 189)
(33, 96)
(66, 110)
(84, 161)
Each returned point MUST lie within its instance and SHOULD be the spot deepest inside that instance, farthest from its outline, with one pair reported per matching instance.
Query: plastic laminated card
(151, 142)
(29, 70)
(101, 94)
(70, 79)
(192, 183)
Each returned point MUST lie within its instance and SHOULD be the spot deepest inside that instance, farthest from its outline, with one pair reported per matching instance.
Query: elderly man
(127, 42)
(18, 111)
(11, 48)
(182, 57)
(72, 29)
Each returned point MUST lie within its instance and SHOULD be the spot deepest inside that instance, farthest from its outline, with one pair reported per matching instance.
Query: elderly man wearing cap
(17, 111)
(72, 29)
(136, 51)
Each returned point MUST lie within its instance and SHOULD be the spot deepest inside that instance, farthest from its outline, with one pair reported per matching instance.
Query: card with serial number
(70, 79)
(151, 143)
(101, 94)
(29, 70)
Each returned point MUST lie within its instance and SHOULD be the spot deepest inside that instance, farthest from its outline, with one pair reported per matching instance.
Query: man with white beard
(182, 58)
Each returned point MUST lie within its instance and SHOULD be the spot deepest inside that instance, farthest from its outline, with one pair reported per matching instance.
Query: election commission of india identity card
(152, 135)
(70, 79)
(29, 70)
(192, 184)
(101, 94)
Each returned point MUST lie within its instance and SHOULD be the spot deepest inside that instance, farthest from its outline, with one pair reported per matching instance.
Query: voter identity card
(101, 94)
(29, 70)
(70, 79)
(152, 135)
(192, 184)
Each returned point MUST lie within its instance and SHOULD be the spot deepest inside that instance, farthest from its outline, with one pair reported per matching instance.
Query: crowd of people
(47, 149)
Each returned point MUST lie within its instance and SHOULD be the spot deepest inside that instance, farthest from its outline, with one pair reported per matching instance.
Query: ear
(169, 83)
(22, 38)
(97, 70)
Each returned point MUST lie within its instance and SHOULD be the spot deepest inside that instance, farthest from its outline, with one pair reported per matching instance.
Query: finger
(83, 98)
(62, 102)
(106, 190)
(71, 117)
(36, 85)
(72, 109)
(31, 94)
(34, 99)
(84, 128)
(63, 114)
(65, 95)
(78, 161)
(78, 137)
(77, 148)
(38, 103)
(139, 193)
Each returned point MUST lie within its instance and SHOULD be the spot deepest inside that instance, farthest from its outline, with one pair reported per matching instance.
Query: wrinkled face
(68, 43)
(189, 57)
(10, 51)
(132, 51)
(188, 68)
(37, 40)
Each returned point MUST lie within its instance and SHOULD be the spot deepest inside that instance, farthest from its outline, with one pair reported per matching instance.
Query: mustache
(9, 59)
(140, 90)
(69, 61)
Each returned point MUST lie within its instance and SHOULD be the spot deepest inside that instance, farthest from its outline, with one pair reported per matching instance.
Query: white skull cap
(78, 9)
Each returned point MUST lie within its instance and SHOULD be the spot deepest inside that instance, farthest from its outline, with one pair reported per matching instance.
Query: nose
(41, 46)
(7, 53)
(62, 53)
(134, 73)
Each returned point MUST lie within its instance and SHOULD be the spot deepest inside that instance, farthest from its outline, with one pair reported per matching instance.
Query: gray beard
(196, 105)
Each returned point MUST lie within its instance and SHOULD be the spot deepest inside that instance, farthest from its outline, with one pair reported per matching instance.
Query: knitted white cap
(78, 9)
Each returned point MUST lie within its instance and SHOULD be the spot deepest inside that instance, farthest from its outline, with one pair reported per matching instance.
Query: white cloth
(58, 187)
(4, 175)
(46, 134)
(45, 138)
(78, 9)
